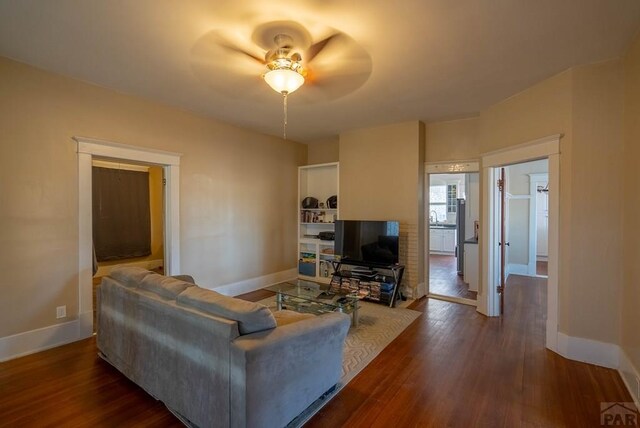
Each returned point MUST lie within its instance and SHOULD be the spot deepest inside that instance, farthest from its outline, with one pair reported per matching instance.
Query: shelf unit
(315, 255)
(377, 283)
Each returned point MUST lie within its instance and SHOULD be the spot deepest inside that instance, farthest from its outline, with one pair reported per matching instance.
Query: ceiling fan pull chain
(284, 126)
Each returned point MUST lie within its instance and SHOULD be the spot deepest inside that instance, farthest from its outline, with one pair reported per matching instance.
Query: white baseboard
(421, 290)
(589, 351)
(517, 269)
(147, 264)
(630, 376)
(29, 342)
(602, 354)
(254, 284)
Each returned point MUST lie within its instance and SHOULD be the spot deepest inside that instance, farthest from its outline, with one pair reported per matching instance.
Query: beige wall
(542, 110)
(631, 272)
(595, 272)
(233, 189)
(381, 178)
(452, 140)
(323, 151)
(584, 105)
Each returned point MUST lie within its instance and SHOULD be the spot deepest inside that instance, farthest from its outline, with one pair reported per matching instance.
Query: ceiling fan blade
(228, 68)
(316, 48)
(231, 47)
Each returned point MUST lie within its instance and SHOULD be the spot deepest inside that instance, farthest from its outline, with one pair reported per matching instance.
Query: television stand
(374, 282)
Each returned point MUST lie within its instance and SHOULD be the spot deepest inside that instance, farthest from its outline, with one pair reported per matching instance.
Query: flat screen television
(369, 242)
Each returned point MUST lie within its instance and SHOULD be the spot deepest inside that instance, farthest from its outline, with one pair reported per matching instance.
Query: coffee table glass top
(315, 292)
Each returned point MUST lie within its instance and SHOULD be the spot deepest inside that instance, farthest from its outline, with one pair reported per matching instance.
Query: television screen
(374, 242)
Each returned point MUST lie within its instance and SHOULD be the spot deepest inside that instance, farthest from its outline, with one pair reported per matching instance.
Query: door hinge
(500, 289)
(164, 181)
(500, 184)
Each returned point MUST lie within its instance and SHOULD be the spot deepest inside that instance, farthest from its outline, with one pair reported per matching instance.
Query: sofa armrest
(278, 373)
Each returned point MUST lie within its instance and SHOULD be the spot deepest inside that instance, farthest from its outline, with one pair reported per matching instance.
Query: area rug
(377, 328)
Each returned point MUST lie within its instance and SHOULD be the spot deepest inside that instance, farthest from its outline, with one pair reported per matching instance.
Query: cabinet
(442, 240)
(314, 254)
(471, 265)
(449, 241)
(377, 283)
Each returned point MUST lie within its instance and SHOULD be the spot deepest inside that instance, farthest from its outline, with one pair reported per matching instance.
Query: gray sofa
(214, 360)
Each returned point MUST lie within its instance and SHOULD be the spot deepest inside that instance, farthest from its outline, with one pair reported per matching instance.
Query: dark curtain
(121, 214)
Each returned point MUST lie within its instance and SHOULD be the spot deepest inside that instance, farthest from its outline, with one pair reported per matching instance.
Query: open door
(502, 243)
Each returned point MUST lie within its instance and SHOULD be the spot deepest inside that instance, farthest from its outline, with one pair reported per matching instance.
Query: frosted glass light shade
(283, 80)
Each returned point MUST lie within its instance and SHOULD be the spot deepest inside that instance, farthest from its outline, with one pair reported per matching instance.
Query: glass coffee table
(306, 296)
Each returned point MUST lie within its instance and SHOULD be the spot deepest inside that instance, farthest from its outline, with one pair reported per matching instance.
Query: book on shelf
(308, 257)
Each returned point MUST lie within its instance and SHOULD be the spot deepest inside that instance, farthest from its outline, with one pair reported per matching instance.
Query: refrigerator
(460, 233)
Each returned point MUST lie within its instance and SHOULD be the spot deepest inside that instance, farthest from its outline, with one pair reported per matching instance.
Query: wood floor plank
(469, 370)
(451, 367)
(444, 278)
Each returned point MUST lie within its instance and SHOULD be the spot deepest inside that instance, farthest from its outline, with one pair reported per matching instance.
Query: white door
(542, 221)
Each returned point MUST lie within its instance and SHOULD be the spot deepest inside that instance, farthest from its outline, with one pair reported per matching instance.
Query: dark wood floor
(451, 367)
(444, 278)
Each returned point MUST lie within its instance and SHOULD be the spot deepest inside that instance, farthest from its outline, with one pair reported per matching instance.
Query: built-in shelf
(320, 182)
(319, 223)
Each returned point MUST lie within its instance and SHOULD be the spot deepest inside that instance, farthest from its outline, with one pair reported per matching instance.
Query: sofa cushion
(185, 278)
(251, 317)
(129, 276)
(164, 286)
(285, 317)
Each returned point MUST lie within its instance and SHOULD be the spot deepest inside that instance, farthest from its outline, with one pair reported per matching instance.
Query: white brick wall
(409, 257)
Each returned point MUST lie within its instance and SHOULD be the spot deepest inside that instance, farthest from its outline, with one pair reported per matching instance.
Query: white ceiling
(429, 59)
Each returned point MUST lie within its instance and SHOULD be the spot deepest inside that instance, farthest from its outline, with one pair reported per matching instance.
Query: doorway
(539, 224)
(88, 149)
(489, 296)
(452, 211)
(127, 218)
(526, 217)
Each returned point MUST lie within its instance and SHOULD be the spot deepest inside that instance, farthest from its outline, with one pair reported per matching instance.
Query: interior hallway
(451, 367)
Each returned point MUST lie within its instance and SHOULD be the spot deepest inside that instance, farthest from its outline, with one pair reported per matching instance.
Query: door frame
(87, 148)
(534, 179)
(488, 298)
(460, 167)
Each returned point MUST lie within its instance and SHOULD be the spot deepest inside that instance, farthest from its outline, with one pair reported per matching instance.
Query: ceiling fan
(286, 55)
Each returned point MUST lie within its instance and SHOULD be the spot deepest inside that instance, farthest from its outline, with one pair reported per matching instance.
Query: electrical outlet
(61, 311)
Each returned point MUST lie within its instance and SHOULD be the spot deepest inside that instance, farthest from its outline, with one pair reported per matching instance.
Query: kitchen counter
(470, 270)
(442, 226)
(442, 238)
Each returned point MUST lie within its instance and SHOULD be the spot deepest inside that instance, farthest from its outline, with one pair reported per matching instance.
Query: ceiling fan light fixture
(283, 80)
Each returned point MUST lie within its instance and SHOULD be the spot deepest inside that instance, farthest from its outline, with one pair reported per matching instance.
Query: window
(438, 203)
(452, 196)
(443, 200)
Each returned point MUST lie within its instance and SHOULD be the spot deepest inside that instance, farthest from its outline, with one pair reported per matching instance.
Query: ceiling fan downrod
(284, 124)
